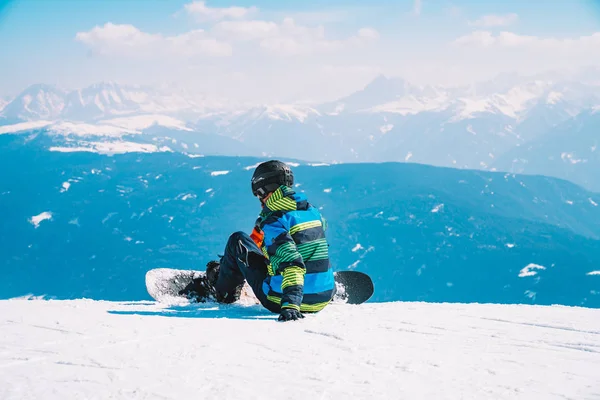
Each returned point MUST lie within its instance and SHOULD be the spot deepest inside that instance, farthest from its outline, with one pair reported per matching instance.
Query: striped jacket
(300, 274)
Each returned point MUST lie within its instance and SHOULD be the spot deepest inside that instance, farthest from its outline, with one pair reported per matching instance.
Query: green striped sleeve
(305, 225)
(315, 250)
(286, 252)
(293, 276)
(292, 287)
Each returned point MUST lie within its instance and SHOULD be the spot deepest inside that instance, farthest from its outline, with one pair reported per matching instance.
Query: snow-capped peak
(413, 105)
(512, 103)
(36, 102)
(3, 102)
(288, 112)
(554, 97)
(106, 100)
(275, 112)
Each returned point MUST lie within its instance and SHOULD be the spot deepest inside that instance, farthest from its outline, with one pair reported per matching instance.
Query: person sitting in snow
(286, 258)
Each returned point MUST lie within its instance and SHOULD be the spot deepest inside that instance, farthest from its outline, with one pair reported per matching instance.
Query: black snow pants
(243, 260)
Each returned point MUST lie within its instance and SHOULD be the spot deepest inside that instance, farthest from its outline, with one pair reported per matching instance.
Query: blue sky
(288, 50)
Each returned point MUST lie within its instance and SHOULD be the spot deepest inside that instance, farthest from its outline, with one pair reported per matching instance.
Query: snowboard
(166, 285)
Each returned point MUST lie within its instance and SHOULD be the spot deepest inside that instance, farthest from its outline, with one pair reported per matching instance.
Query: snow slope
(115, 127)
(100, 350)
(3, 102)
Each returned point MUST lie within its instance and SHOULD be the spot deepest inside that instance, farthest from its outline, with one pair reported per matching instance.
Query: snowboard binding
(198, 290)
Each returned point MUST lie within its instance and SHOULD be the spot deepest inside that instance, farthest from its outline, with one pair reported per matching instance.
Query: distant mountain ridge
(472, 127)
(569, 151)
(104, 100)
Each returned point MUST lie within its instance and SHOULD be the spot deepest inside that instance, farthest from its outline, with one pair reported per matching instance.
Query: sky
(288, 51)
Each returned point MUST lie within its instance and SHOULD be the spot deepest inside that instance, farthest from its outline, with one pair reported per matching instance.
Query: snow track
(85, 349)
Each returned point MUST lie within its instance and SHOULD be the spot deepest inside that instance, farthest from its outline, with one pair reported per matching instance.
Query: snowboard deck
(165, 284)
(353, 287)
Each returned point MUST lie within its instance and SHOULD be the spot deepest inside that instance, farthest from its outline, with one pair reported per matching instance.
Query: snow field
(85, 349)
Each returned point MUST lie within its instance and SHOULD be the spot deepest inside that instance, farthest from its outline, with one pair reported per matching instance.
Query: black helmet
(269, 175)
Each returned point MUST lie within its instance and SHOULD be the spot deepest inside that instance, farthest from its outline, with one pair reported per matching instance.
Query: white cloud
(103, 38)
(489, 21)
(513, 40)
(286, 38)
(417, 7)
(289, 38)
(368, 33)
(321, 16)
(482, 54)
(245, 30)
(197, 43)
(292, 39)
(201, 12)
(268, 59)
(478, 38)
(127, 40)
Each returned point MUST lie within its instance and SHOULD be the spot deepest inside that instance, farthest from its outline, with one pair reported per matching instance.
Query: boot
(198, 290)
(212, 274)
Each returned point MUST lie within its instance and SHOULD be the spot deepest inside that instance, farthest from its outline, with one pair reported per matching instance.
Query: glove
(290, 314)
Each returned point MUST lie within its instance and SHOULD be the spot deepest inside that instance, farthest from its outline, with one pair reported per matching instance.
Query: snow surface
(411, 105)
(437, 208)
(117, 147)
(289, 112)
(570, 157)
(386, 128)
(100, 350)
(512, 104)
(252, 167)
(141, 122)
(357, 248)
(530, 270)
(116, 127)
(36, 220)
(554, 97)
(23, 126)
(82, 129)
(339, 108)
(3, 103)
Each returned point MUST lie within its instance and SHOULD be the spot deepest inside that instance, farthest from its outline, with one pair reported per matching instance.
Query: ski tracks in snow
(99, 350)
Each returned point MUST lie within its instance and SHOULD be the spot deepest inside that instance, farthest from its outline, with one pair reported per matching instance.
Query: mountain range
(544, 124)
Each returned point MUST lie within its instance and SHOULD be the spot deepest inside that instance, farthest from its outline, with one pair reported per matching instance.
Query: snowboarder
(286, 259)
